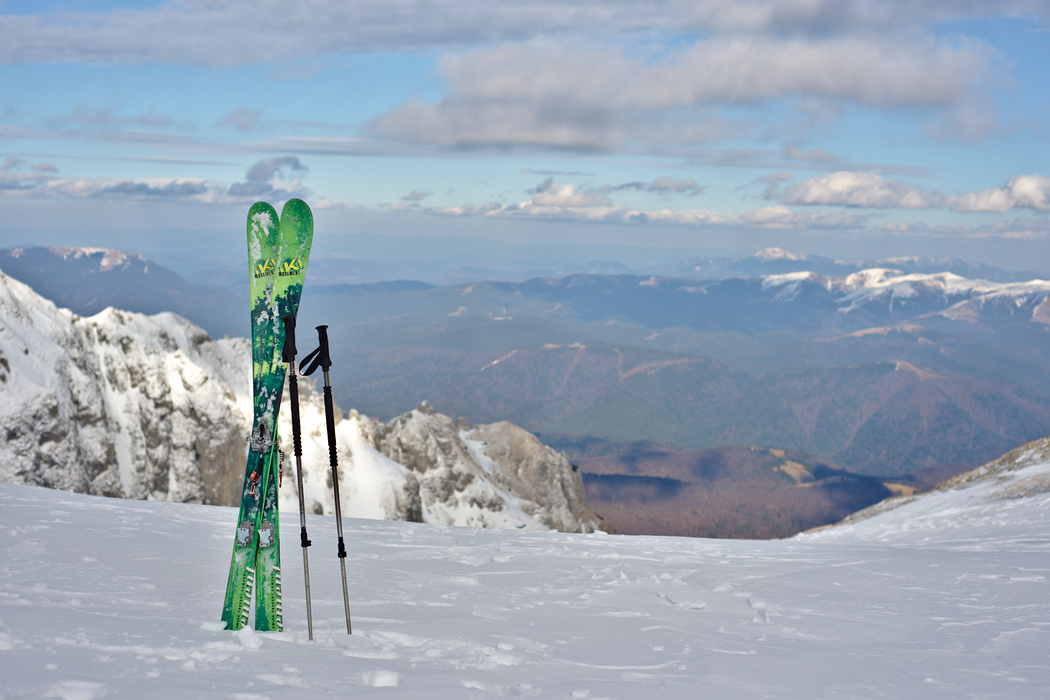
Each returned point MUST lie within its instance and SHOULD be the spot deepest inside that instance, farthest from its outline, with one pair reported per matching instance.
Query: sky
(849, 128)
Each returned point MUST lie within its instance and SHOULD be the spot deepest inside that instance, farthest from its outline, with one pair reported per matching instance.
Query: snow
(789, 282)
(771, 254)
(944, 596)
(869, 285)
(368, 481)
(884, 284)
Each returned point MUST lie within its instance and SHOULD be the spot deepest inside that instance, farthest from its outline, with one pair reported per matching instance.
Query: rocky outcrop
(117, 404)
(495, 475)
(149, 407)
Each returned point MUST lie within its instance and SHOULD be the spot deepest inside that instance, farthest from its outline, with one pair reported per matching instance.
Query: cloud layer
(866, 189)
(560, 201)
(248, 31)
(553, 94)
(271, 178)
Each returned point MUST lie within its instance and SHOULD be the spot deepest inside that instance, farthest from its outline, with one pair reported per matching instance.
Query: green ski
(278, 251)
(295, 236)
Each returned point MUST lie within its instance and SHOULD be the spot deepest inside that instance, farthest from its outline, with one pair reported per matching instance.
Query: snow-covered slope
(946, 597)
(149, 407)
(1005, 499)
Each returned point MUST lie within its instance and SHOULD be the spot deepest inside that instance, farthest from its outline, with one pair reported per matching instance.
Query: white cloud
(416, 196)
(663, 186)
(270, 178)
(1021, 192)
(782, 217)
(264, 180)
(867, 189)
(556, 94)
(17, 174)
(860, 189)
(565, 202)
(249, 31)
(538, 84)
(185, 189)
(280, 168)
(562, 195)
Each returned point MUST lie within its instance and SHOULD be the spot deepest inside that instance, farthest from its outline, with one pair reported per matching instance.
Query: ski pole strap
(307, 371)
(319, 357)
(288, 353)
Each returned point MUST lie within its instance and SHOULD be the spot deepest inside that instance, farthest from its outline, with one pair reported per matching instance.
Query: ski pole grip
(329, 416)
(325, 359)
(297, 439)
(288, 353)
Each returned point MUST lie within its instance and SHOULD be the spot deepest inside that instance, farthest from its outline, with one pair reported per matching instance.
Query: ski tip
(260, 207)
(262, 218)
(297, 209)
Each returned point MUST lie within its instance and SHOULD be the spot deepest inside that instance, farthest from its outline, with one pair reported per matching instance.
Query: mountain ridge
(150, 407)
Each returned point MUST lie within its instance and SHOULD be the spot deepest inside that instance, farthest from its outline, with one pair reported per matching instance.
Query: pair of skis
(278, 252)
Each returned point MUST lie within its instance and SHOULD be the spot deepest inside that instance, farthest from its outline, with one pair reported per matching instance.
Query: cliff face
(149, 407)
(495, 475)
(117, 404)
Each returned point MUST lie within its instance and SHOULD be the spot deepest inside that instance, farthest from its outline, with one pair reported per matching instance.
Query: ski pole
(288, 356)
(321, 358)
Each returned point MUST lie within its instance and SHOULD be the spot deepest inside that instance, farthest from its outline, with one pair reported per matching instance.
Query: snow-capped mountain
(946, 596)
(87, 280)
(779, 261)
(942, 293)
(117, 404)
(150, 407)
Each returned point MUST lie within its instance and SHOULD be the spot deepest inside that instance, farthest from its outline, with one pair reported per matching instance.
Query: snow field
(121, 599)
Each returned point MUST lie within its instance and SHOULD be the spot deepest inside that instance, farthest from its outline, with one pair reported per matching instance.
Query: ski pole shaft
(333, 460)
(288, 356)
(325, 361)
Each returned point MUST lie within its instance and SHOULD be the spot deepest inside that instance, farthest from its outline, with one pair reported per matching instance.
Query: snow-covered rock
(149, 407)
(118, 404)
(495, 475)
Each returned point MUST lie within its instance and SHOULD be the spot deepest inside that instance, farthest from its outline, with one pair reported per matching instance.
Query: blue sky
(851, 128)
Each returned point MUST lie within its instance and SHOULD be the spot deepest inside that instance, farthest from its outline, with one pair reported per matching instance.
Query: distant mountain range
(885, 367)
(774, 261)
(87, 280)
(879, 370)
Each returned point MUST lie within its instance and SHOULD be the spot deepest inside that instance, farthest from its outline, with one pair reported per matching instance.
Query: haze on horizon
(851, 128)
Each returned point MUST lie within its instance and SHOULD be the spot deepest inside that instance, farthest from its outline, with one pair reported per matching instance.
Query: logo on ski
(291, 268)
(265, 268)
